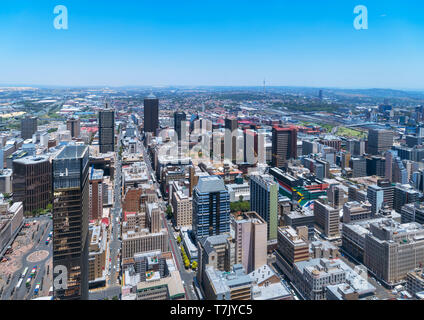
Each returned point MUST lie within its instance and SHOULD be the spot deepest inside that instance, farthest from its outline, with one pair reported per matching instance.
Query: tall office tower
(375, 196)
(107, 130)
(390, 156)
(392, 250)
(211, 207)
(309, 147)
(359, 148)
(251, 240)
(215, 251)
(345, 162)
(230, 144)
(350, 146)
(252, 143)
(418, 179)
(410, 167)
(70, 222)
(320, 95)
(264, 201)
(96, 194)
(326, 217)
(28, 127)
(404, 194)
(359, 167)
(379, 141)
(400, 175)
(376, 166)
(32, 182)
(151, 114)
(388, 191)
(178, 118)
(284, 145)
(335, 196)
(291, 248)
(73, 125)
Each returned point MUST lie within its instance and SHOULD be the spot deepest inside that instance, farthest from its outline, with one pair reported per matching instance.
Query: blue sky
(232, 42)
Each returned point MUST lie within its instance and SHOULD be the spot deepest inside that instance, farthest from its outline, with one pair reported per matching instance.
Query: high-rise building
(230, 143)
(32, 179)
(264, 201)
(251, 240)
(359, 167)
(70, 222)
(388, 192)
(291, 248)
(284, 145)
(73, 124)
(107, 130)
(216, 251)
(96, 194)
(28, 127)
(400, 174)
(379, 141)
(336, 196)
(392, 250)
(375, 195)
(151, 114)
(178, 118)
(404, 194)
(326, 218)
(418, 179)
(376, 166)
(211, 207)
(355, 211)
(413, 212)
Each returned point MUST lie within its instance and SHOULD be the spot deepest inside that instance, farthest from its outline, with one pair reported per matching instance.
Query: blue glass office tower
(211, 207)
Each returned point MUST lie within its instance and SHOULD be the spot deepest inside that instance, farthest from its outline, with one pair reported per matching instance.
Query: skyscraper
(96, 194)
(388, 192)
(375, 195)
(379, 141)
(211, 207)
(284, 145)
(178, 118)
(264, 201)
(28, 127)
(107, 130)
(231, 126)
(73, 124)
(32, 179)
(151, 114)
(251, 240)
(70, 222)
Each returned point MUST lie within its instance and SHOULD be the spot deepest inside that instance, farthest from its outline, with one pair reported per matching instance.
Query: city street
(186, 276)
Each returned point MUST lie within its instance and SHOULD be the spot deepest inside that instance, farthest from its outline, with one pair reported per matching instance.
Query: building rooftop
(210, 184)
(72, 152)
(32, 160)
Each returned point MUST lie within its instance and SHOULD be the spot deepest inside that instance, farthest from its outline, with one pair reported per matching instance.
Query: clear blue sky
(213, 42)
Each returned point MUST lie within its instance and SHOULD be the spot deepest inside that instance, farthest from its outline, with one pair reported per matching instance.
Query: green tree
(169, 213)
(194, 265)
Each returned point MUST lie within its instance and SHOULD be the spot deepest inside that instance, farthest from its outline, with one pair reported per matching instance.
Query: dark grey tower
(151, 114)
(106, 130)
